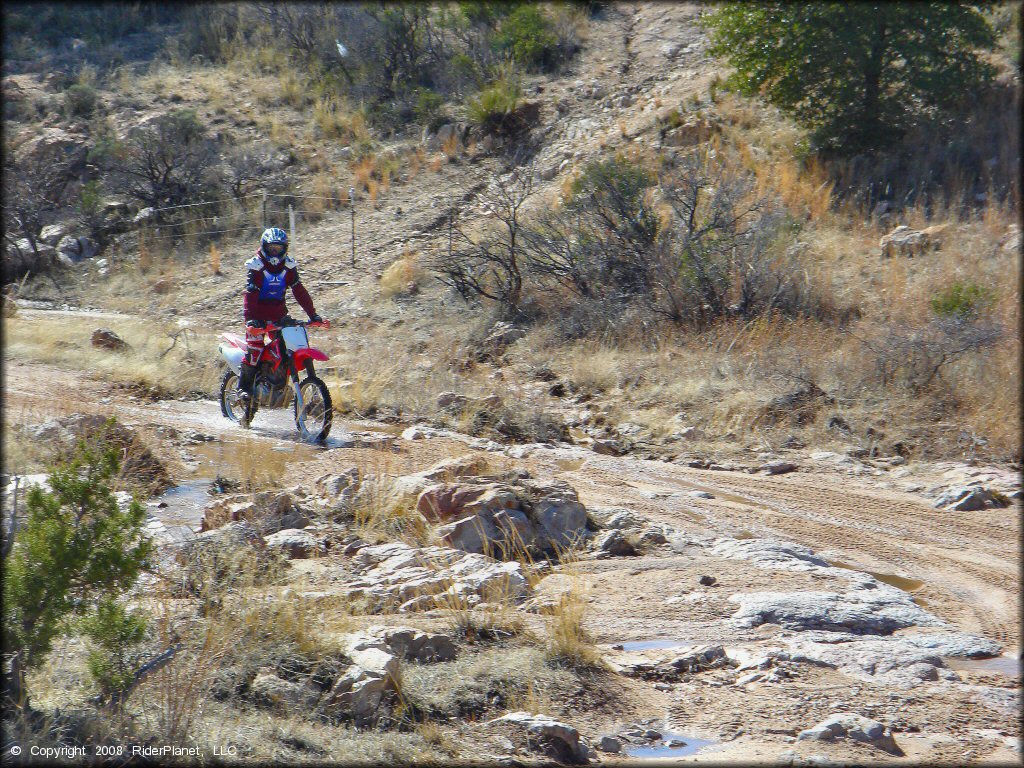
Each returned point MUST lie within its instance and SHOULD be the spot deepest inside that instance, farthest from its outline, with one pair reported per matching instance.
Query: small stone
(779, 468)
(609, 744)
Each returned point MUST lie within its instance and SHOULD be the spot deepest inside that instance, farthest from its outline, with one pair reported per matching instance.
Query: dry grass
(190, 366)
(400, 273)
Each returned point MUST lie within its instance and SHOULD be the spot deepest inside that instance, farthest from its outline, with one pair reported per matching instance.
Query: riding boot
(246, 380)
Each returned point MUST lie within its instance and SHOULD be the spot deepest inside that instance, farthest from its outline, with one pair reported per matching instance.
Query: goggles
(274, 250)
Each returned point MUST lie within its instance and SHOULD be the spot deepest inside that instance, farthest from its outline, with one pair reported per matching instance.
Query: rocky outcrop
(269, 511)
(879, 610)
(360, 691)
(295, 544)
(505, 517)
(405, 578)
(904, 241)
(544, 733)
(970, 499)
(847, 725)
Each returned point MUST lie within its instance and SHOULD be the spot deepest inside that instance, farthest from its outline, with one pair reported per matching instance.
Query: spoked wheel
(314, 420)
(230, 405)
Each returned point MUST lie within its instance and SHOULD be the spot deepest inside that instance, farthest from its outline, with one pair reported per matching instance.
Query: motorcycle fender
(301, 355)
(233, 355)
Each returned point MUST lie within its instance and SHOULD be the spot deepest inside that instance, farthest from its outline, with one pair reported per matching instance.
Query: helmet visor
(274, 250)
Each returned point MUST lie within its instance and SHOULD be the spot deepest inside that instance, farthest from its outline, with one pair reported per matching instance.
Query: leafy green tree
(858, 74)
(76, 551)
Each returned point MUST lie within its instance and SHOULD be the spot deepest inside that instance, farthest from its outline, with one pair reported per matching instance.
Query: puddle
(650, 645)
(900, 582)
(681, 745)
(999, 665)
(570, 465)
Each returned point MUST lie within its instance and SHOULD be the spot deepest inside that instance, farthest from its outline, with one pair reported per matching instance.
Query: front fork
(300, 408)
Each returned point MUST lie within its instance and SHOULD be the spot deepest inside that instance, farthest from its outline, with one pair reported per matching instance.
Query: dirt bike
(286, 353)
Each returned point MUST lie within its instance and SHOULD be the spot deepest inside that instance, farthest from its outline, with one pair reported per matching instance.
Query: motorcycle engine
(271, 389)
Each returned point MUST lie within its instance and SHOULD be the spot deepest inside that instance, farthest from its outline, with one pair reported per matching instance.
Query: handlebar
(271, 326)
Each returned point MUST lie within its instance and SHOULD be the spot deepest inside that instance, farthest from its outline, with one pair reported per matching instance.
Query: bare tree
(248, 167)
(491, 266)
(33, 187)
(171, 161)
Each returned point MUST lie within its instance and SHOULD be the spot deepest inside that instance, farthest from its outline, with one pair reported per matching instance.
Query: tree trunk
(871, 112)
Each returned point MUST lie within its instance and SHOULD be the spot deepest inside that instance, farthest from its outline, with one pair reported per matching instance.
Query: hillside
(797, 424)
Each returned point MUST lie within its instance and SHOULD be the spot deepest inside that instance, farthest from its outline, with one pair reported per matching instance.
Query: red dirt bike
(285, 354)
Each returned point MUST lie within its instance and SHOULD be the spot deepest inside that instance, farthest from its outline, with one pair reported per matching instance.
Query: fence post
(291, 221)
(352, 205)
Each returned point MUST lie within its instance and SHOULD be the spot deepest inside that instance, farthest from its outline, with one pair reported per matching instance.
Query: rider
(271, 271)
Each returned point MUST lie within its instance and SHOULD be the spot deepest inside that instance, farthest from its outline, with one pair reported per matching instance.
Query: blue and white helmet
(274, 246)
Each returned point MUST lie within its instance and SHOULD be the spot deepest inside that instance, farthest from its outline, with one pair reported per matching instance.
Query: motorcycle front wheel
(314, 420)
(230, 405)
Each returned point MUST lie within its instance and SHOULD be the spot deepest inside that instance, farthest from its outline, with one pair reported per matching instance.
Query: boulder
(443, 501)
(556, 739)
(294, 543)
(502, 334)
(904, 241)
(360, 691)
(470, 534)
(269, 511)
(692, 132)
(614, 543)
(607, 447)
(881, 610)
(76, 248)
(396, 574)
(415, 645)
(970, 499)
(53, 233)
(779, 468)
(451, 401)
(104, 338)
(556, 511)
(413, 433)
(618, 518)
(847, 725)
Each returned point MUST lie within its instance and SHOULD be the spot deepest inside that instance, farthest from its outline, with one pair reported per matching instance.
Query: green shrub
(492, 106)
(114, 633)
(961, 300)
(80, 100)
(76, 550)
(529, 37)
(429, 109)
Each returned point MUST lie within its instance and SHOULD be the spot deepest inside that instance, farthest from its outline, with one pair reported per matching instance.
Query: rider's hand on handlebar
(317, 320)
(260, 324)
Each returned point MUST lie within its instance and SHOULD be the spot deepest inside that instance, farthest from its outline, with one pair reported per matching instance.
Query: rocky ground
(789, 604)
(746, 609)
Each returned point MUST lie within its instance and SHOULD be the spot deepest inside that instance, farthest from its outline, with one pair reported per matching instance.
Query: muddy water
(1007, 665)
(672, 745)
(570, 465)
(652, 645)
(900, 582)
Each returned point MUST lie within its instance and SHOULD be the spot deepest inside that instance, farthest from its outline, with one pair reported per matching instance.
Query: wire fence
(251, 213)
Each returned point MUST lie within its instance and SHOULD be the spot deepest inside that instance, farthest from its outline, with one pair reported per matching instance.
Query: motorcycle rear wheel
(229, 405)
(317, 410)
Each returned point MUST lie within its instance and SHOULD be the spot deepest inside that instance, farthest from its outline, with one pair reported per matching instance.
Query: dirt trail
(969, 564)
